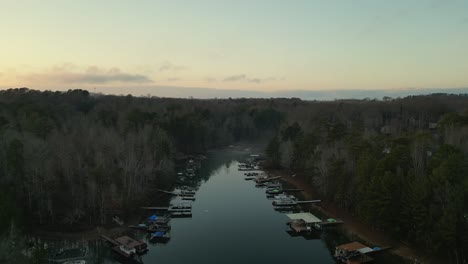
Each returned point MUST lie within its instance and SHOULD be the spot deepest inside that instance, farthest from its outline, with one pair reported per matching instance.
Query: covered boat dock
(302, 222)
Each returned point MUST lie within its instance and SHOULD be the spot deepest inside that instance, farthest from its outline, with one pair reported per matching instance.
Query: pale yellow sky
(247, 45)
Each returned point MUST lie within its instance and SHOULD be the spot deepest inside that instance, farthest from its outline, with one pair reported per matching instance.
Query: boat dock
(180, 210)
(306, 222)
(303, 222)
(356, 253)
(273, 190)
(68, 255)
(268, 179)
(126, 246)
(182, 193)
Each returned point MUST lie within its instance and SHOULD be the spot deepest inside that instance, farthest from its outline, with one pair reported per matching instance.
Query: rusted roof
(354, 246)
(129, 242)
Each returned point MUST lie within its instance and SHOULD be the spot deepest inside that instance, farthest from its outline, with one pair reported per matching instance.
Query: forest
(71, 160)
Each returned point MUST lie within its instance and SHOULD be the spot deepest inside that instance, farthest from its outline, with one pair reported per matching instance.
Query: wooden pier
(293, 190)
(308, 202)
(180, 210)
(154, 208)
(182, 193)
(264, 180)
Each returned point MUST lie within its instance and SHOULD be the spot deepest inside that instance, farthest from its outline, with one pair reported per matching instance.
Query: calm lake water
(233, 222)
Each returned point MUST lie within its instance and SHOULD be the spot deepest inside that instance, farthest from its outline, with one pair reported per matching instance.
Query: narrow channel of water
(233, 222)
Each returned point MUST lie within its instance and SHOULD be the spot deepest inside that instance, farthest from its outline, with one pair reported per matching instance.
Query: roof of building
(365, 250)
(354, 246)
(129, 242)
(306, 217)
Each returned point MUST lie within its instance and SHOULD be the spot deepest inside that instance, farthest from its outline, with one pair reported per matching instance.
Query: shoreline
(88, 235)
(353, 224)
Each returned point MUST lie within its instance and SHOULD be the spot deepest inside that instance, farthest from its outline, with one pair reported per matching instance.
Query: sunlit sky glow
(243, 44)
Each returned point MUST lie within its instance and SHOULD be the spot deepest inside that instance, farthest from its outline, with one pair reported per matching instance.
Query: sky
(117, 46)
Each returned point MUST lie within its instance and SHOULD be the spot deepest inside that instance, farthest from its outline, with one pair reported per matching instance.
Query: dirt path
(355, 225)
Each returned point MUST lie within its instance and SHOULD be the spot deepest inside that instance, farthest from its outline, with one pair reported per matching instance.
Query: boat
(284, 200)
(285, 209)
(158, 227)
(164, 219)
(181, 205)
(159, 236)
(186, 193)
(182, 214)
(274, 191)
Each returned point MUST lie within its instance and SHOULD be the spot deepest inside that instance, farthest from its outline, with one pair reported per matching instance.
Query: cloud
(168, 66)
(209, 79)
(235, 78)
(69, 73)
(173, 79)
(245, 78)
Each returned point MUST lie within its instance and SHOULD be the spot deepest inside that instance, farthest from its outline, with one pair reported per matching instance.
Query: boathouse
(354, 253)
(303, 222)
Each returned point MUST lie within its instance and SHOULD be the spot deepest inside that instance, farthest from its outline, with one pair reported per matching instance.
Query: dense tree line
(69, 158)
(400, 164)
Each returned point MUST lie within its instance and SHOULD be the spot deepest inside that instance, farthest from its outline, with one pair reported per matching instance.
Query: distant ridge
(206, 93)
(324, 95)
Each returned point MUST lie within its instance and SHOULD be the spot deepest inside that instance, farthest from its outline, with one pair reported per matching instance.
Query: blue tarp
(158, 234)
(153, 217)
(377, 248)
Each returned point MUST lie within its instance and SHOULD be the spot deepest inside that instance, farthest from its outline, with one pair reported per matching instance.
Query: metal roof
(307, 217)
(353, 246)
